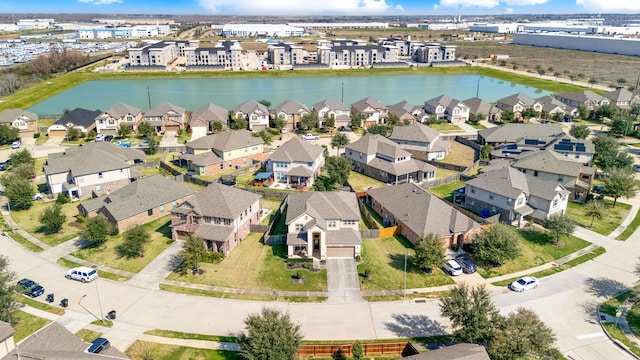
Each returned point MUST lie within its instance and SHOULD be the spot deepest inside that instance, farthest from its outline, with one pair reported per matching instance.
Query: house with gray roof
(513, 133)
(332, 109)
(622, 98)
(383, 159)
(323, 224)
(417, 212)
(517, 104)
(7, 344)
(553, 108)
(119, 114)
(229, 149)
(23, 120)
(139, 202)
(221, 215)
(516, 196)
(421, 141)
(586, 98)
(478, 107)
(296, 163)
(166, 117)
(292, 112)
(79, 118)
(444, 107)
(407, 112)
(92, 169)
(255, 113)
(462, 351)
(203, 117)
(370, 111)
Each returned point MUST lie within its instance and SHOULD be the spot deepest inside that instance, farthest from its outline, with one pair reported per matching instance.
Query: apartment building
(225, 55)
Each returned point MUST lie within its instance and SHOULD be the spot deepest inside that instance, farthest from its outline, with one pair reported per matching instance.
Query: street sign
(618, 312)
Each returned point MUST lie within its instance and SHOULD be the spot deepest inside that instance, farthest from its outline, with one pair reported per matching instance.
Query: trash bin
(50, 298)
(64, 303)
(111, 315)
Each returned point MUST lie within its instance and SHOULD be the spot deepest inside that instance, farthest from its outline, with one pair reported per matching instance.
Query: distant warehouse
(602, 44)
(261, 30)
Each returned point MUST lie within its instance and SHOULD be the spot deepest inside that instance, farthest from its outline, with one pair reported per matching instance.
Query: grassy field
(459, 154)
(445, 127)
(27, 324)
(88, 335)
(253, 265)
(29, 220)
(140, 350)
(190, 336)
(360, 182)
(611, 219)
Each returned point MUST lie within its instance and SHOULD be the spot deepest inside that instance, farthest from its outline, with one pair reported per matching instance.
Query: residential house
(7, 344)
(119, 114)
(578, 150)
(79, 118)
(516, 196)
(255, 113)
(444, 107)
(384, 160)
(517, 104)
(23, 120)
(292, 112)
(323, 224)
(202, 118)
(166, 117)
(421, 141)
(139, 202)
(407, 112)
(220, 215)
(587, 98)
(553, 108)
(226, 150)
(487, 110)
(332, 109)
(462, 351)
(621, 98)
(417, 213)
(370, 111)
(94, 168)
(552, 166)
(296, 162)
(512, 133)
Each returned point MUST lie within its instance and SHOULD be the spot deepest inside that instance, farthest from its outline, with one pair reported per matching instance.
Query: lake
(228, 92)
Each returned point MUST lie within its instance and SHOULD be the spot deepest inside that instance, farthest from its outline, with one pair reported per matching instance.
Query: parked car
(16, 143)
(310, 136)
(144, 144)
(636, 167)
(468, 267)
(108, 138)
(37, 196)
(283, 131)
(525, 283)
(100, 137)
(98, 345)
(124, 143)
(3, 166)
(598, 189)
(30, 288)
(83, 274)
(452, 267)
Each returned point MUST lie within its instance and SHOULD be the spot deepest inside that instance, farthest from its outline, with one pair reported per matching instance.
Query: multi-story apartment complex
(351, 53)
(161, 53)
(285, 54)
(433, 52)
(225, 55)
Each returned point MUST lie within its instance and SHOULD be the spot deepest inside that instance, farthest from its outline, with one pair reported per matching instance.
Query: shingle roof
(362, 104)
(581, 96)
(403, 108)
(250, 107)
(204, 159)
(10, 115)
(461, 351)
(291, 107)
(210, 112)
(509, 133)
(217, 200)
(516, 98)
(414, 132)
(214, 232)
(549, 162)
(120, 110)
(92, 158)
(296, 150)
(331, 104)
(479, 106)
(511, 182)
(550, 103)
(619, 95)
(79, 117)
(322, 206)
(226, 140)
(5, 331)
(377, 144)
(164, 108)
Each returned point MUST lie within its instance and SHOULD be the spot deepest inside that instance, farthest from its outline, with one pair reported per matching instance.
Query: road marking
(588, 336)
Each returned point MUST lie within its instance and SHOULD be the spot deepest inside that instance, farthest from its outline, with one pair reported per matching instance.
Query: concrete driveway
(343, 281)
(170, 138)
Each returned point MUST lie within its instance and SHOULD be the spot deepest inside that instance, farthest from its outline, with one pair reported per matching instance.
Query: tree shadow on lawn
(82, 243)
(279, 251)
(410, 326)
(538, 237)
(604, 288)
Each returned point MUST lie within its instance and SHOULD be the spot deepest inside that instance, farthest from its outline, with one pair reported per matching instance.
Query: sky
(322, 7)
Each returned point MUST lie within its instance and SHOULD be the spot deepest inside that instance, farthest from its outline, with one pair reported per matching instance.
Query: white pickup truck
(310, 136)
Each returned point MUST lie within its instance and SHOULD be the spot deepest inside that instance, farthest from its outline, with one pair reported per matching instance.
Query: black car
(108, 138)
(468, 267)
(31, 288)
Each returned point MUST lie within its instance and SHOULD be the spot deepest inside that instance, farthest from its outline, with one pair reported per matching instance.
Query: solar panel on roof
(580, 147)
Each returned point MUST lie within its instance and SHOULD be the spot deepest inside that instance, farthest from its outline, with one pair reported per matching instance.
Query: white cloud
(489, 3)
(609, 5)
(524, 2)
(295, 7)
(508, 10)
(101, 2)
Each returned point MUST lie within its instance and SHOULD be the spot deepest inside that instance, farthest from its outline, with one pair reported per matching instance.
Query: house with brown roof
(296, 163)
(417, 212)
(335, 109)
(138, 203)
(407, 112)
(220, 215)
(422, 141)
(444, 107)
(255, 113)
(203, 117)
(380, 158)
(479, 107)
(518, 103)
(166, 117)
(119, 114)
(292, 112)
(370, 111)
(229, 149)
(323, 224)
(23, 120)
(79, 118)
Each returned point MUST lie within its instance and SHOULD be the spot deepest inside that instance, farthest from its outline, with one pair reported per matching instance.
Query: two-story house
(296, 162)
(444, 107)
(220, 215)
(421, 141)
(23, 120)
(380, 158)
(517, 104)
(229, 149)
(407, 112)
(79, 118)
(255, 113)
(202, 119)
(292, 112)
(621, 98)
(370, 111)
(480, 109)
(513, 133)
(516, 196)
(166, 117)
(119, 114)
(93, 169)
(587, 98)
(552, 108)
(323, 224)
(332, 109)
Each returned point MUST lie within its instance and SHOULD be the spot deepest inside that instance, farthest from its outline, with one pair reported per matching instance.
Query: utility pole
(478, 87)
(149, 96)
(342, 97)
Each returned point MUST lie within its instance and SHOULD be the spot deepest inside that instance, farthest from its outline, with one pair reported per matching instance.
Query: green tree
(124, 130)
(265, 102)
(338, 141)
(7, 134)
(430, 252)
(19, 191)
(579, 131)
(323, 183)
(620, 125)
(496, 245)
(393, 120)
(145, 129)
(133, 244)
(529, 113)
(583, 112)
(279, 122)
(330, 121)
(480, 117)
(97, 229)
(522, 335)
(604, 111)
(485, 152)
(270, 335)
(593, 81)
(378, 129)
(73, 133)
(357, 350)
(22, 171)
(309, 121)
(472, 314)
(608, 155)
(338, 169)
(153, 145)
(559, 226)
(22, 157)
(52, 218)
(216, 126)
(192, 253)
(507, 115)
(7, 290)
(595, 210)
(356, 120)
(264, 135)
(620, 183)
(239, 124)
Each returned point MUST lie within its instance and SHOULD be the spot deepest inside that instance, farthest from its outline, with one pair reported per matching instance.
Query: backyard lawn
(359, 182)
(253, 265)
(611, 219)
(29, 220)
(445, 192)
(445, 127)
(459, 154)
(140, 350)
(384, 259)
(27, 324)
(160, 239)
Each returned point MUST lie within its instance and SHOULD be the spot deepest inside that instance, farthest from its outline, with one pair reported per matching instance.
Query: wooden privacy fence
(398, 348)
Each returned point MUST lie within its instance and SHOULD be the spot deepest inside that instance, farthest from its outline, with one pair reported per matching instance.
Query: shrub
(454, 247)
(36, 135)
(80, 219)
(213, 257)
(62, 199)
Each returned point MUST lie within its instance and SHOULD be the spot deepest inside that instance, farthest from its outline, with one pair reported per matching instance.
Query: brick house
(292, 112)
(166, 117)
(203, 117)
(421, 141)
(332, 108)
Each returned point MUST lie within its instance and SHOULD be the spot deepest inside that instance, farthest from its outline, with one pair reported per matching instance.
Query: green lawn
(272, 204)
(443, 173)
(88, 335)
(445, 127)
(23, 299)
(24, 242)
(633, 226)
(445, 192)
(360, 182)
(612, 218)
(190, 336)
(384, 259)
(615, 332)
(140, 350)
(477, 126)
(29, 220)
(27, 324)
(160, 234)
(253, 265)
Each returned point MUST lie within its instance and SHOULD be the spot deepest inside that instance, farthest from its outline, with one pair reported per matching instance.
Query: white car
(310, 136)
(452, 267)
(100, 137)
(525, 283)
(83, 274)
(37, 196)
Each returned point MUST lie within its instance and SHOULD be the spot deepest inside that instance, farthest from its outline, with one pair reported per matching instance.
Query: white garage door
(348, 252)
(198, 132)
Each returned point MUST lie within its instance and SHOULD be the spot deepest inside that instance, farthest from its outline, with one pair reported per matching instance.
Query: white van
(83, 273)
(452, 267)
